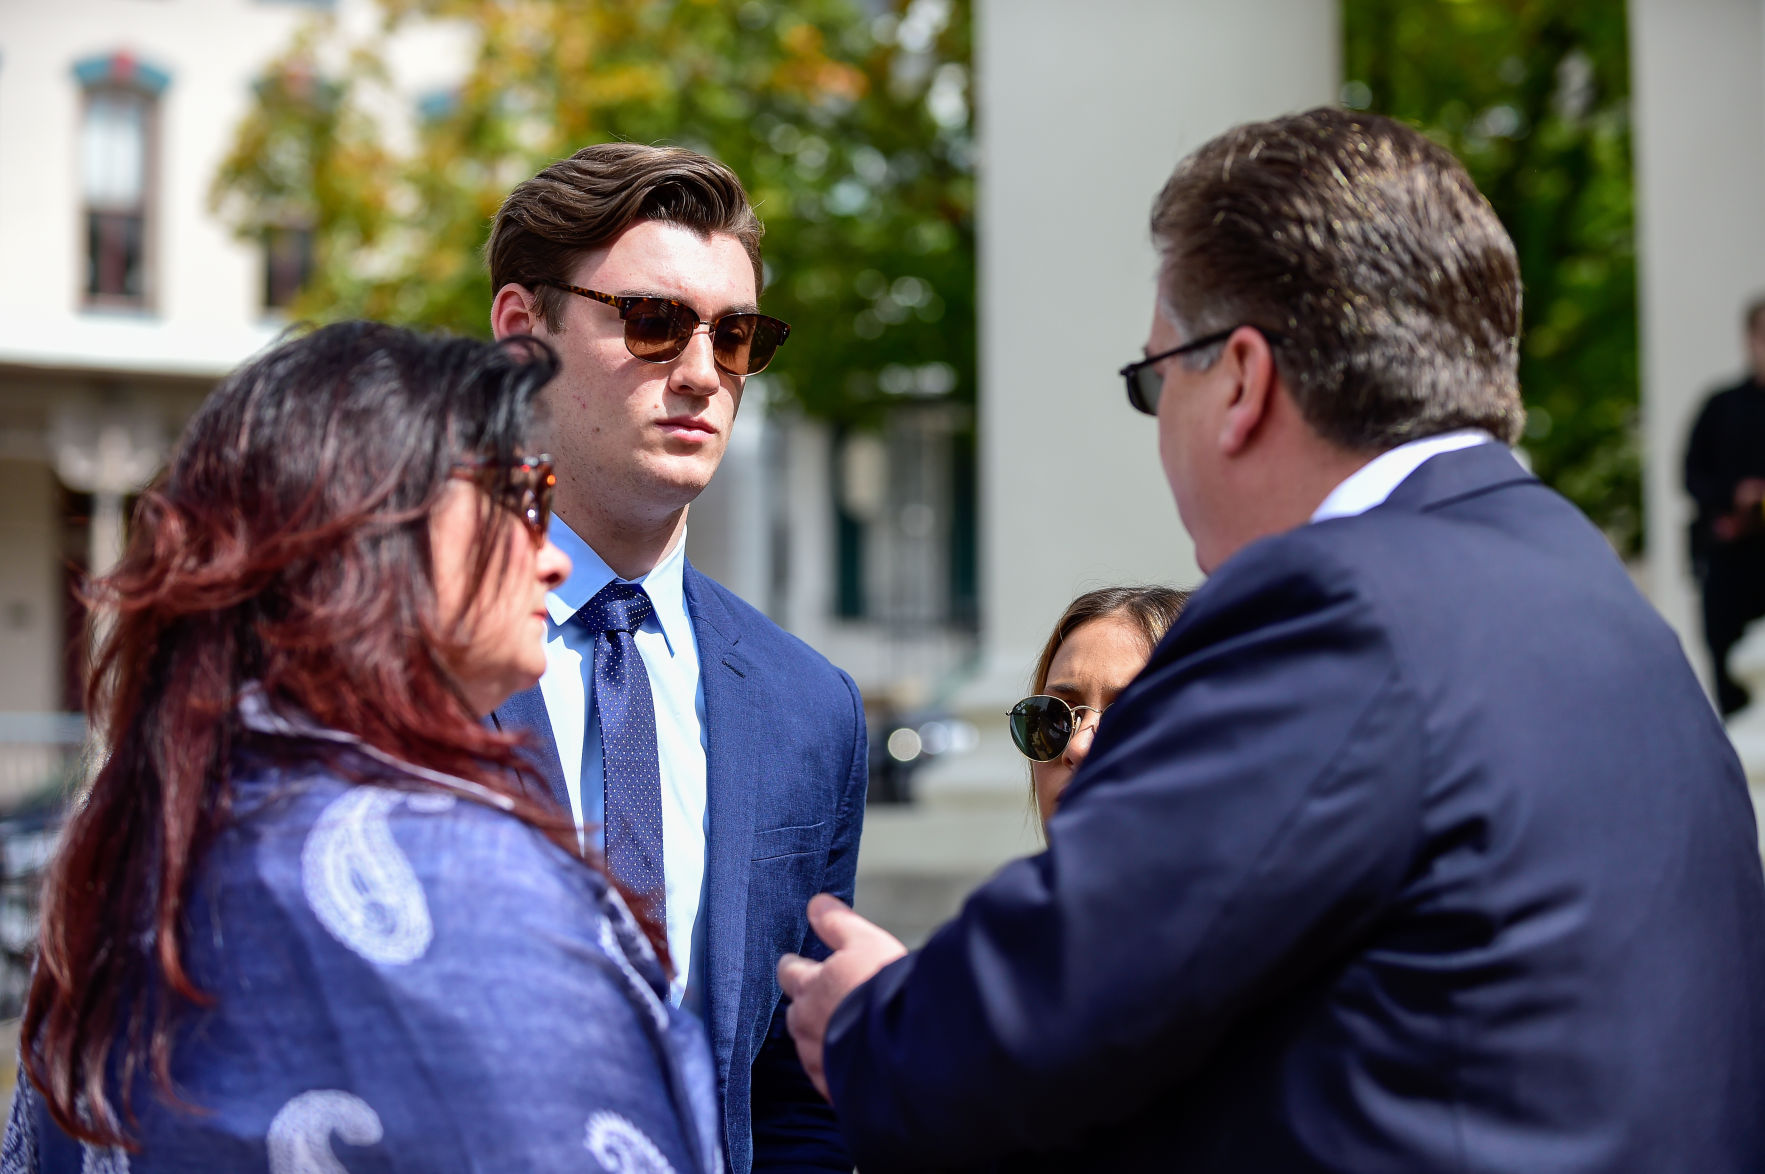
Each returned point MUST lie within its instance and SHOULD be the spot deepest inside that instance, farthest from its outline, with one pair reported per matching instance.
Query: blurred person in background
(1416, 846)
(308, 907)
(1098, 646)
(1725, 475)
(720, 760)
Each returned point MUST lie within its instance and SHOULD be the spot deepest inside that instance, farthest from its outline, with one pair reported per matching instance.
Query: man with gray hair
(1416, 845)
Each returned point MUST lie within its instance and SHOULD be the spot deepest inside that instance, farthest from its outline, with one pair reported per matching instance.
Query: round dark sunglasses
(1043, 725)
(524, 488)
(658, 329)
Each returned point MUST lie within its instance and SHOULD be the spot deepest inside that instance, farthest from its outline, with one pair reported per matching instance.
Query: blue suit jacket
(1416, 847)
(785, 772)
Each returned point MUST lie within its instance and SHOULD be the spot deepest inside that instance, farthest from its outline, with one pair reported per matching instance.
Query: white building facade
(123, 298)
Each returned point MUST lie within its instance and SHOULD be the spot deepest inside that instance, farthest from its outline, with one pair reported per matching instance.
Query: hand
(860, 949)
(1746, 516)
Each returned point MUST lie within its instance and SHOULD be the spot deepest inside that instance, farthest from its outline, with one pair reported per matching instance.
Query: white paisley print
(300, 1136)
(429, 804)
(360, 885)
(622, 1148)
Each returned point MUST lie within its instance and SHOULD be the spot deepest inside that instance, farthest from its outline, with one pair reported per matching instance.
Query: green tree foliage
(1534, 96)
(851, 131)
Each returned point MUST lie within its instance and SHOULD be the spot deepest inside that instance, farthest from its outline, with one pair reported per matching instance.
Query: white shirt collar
(665, 584)
(1374, 481)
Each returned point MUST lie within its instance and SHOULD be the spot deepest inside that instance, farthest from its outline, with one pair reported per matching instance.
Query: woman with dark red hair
(309, 919)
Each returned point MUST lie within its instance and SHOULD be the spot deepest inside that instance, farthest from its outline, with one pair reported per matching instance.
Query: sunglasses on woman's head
(658, 329)
(525, 488)
(1043, 725)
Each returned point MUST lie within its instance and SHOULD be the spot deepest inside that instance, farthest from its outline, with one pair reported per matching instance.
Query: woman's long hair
(288, 544)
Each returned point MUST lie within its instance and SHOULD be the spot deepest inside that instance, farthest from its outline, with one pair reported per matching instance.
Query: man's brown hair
(1368, 252)
(581, 203)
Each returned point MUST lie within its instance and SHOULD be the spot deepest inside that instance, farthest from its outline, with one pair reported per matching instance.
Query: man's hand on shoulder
(815, 989)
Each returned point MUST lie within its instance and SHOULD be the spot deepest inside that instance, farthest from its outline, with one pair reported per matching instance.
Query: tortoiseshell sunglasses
(525, 488)
(658, 329)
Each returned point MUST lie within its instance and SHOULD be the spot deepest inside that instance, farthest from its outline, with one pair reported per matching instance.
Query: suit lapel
(734, 745)
(526, 711)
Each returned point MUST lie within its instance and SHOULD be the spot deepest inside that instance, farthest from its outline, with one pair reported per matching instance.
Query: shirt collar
(665, 584)
(1374, 481)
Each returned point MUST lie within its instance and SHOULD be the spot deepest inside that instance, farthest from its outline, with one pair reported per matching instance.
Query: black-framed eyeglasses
(1043, 725)
(525, 488)
(658, 329)
(1146, 385)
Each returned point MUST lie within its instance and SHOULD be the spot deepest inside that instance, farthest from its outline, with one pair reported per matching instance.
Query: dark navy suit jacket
(785, 772)
(1416, 847)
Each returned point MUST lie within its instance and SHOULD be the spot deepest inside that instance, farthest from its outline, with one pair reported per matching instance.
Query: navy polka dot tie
(627, 715)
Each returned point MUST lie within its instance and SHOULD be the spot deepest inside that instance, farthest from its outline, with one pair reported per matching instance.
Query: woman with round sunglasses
(1099, 645)
(309, 917)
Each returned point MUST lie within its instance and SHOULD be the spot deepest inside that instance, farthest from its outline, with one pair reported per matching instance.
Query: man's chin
(682, 480)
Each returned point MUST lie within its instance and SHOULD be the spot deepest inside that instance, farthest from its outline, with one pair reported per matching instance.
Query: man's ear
(512, 312)
(1251, 364)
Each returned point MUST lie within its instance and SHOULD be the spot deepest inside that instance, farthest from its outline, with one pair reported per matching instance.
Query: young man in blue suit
(1417, 846)
(724, 759)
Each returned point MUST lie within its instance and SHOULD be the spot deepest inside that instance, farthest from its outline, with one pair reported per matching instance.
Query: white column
(1083, 111)
(728, 528)
(1698, 111)
(107, 447)
(109, 450)
(806, 484)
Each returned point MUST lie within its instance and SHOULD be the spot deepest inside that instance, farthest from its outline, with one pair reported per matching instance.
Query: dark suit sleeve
(794, 1127)
(1249, 806)
(1703, 473)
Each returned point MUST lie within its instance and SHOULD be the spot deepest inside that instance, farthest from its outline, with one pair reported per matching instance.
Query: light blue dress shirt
(671, 656)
